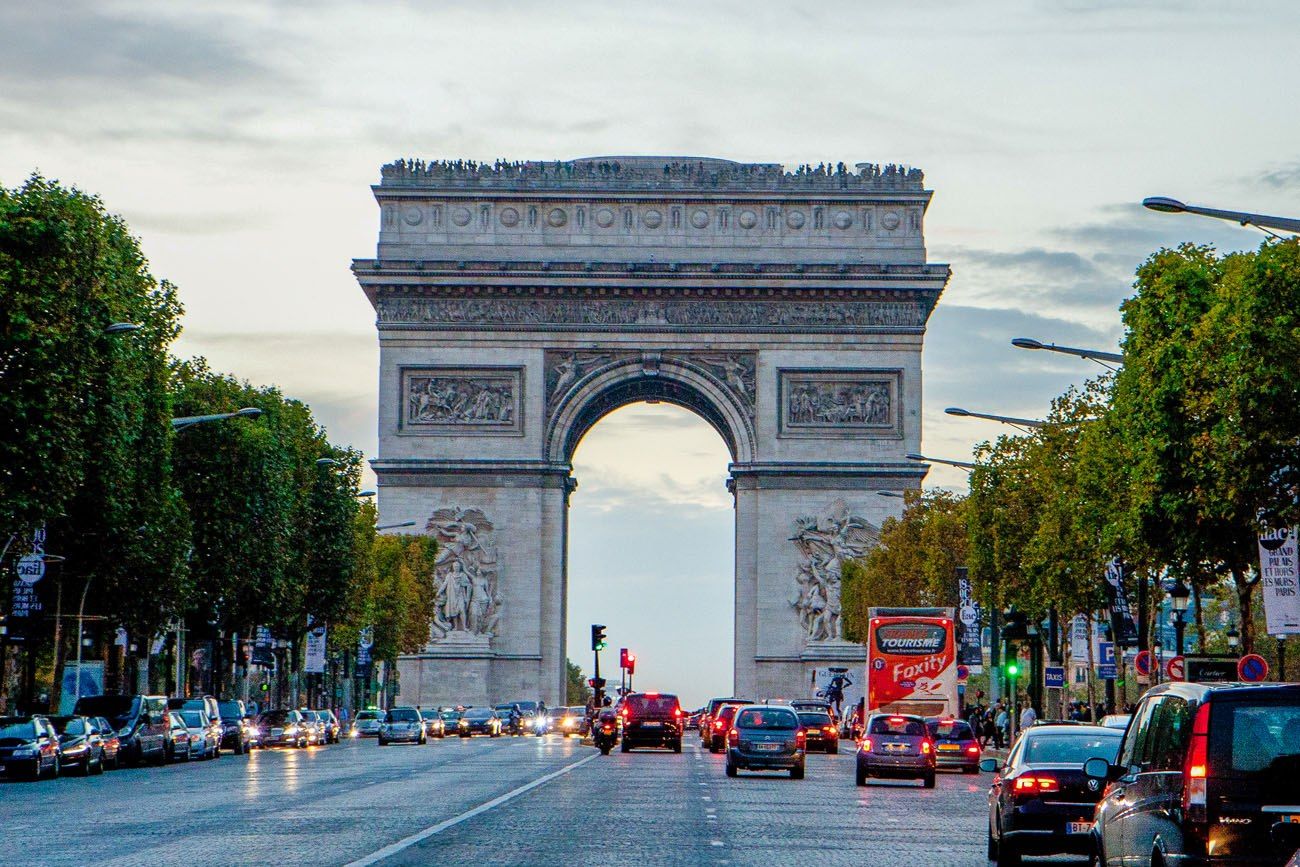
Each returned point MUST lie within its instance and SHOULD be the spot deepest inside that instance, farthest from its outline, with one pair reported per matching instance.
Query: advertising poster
(1279, 572)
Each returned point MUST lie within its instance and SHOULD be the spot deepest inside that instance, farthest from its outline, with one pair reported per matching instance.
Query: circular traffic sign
(1142, 662)
(1174, 668)
(1252, 668)
(963, 672)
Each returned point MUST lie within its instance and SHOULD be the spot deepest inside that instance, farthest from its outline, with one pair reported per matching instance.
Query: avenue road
(499, 802)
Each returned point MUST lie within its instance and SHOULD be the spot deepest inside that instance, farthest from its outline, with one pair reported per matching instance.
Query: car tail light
(1036, 785)
(973, 749)
(1197, 766)
(866, 745)
(733, 737)
(677, 712)
(925, 748)
(830, 730)
(896, 720)
(717, 724)
(800, 738)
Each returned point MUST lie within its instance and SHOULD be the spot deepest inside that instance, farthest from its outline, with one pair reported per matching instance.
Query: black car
(235, 735)
(896, 746)
(1208, 773)
(820, 729)
(1041, 801)
(29, 747)
(140, 720)
(81, 749)
(479, 721)
(652, 719)
(766, 738)
(955, 745)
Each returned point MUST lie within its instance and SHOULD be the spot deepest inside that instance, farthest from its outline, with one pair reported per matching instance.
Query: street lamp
(121, 328)
(365, 493)
(395, 526)
(961, 465)
(1178, 596)
(1166, 205)
(179, 424)
(1003, 419)
(1096, 355)
(1234, 639)
(326, 462)
(894, 494)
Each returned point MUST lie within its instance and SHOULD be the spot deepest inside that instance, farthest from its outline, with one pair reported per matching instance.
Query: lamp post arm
(1286, 224)
(1090, 354)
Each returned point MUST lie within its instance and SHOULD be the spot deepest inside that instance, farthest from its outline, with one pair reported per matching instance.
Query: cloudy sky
(239, 139)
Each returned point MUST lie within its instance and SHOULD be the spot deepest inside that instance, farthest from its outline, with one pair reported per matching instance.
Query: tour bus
(912, 662)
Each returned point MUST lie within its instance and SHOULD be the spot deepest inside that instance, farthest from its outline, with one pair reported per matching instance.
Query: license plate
(895, 748)
(2, 769)
(1078, 827)
(1292, 818)
(651, 725)
(767, 748)
(948, 748)
(276, 732)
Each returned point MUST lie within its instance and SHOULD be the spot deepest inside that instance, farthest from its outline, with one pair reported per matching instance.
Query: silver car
(402, 724)
(367, 723)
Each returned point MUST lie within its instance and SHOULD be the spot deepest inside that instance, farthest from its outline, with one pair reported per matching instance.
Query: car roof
(1061, 727)
(1200, 691)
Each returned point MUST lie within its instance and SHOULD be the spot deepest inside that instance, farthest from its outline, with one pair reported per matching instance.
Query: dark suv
(140, 720)
(652, 719)
(1208, 773)
(766, 738)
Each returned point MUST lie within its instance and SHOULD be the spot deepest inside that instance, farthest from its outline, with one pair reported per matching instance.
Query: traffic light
(1013, 668)
(1016, 627)
(596, 682)
(598, 637)
(622, 658)
(630, 665)
(266, 687)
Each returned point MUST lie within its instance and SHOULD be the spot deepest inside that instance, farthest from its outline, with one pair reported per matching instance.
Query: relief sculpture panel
(825, 541)
(453, 400)
(840, 403)
(467, 606)
(734, 372)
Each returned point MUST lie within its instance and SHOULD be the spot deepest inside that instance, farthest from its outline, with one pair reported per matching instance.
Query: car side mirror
(1100, 769)
(990, 766)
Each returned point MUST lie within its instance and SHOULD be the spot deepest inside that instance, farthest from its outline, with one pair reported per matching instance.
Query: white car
(205, 738)
(1116, 720)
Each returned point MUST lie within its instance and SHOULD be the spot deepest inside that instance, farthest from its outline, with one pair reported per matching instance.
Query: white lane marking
(407, 842)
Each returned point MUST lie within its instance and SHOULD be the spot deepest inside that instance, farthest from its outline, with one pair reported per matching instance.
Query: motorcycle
(605, 731)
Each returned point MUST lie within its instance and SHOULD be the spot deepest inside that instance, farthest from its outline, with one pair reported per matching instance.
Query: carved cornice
(375, 268)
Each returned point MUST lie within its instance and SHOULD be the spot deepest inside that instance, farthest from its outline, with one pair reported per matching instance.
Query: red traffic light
(631, 663)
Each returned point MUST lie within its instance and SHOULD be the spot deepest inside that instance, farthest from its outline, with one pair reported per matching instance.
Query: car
(1041, 802)
(707, 719)
(434, 725)
(29, 747)
(766, 737)
(205, 736)
(327, 724)
(286, 728)
(721, 723)
(81, 749)
(955, 745)
(450, 720)
(112, 743)
(315, 723)
(402, 724)
(651, 719)
(896, 746)
(367, 723)
(179, 741)
(141, 722)
(1206, 774)
(234, 727)
(571, 721)
(252, 731)
(1115, 720)
(819, 728)
(479, 721)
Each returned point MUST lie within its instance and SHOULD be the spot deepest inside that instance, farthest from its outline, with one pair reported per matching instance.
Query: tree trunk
(1245, 587)
(1200, 618)
(56, 688)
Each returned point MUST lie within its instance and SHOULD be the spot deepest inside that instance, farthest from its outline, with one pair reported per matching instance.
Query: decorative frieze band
(837, 402)
(458, 400)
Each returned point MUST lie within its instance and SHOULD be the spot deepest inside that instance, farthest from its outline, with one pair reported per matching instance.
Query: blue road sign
(1106, 652)
(1054, 677)
(1107, 672)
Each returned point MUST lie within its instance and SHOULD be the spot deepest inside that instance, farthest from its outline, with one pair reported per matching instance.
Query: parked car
(140, 720)
(1041, 802)
(286, 728)
(955, 745)
(180, 746)
(234, 727)
(766, 738)
(651, 719)
(81, 749)
(29, 747)
(1206, 774)
(820, 730)
(402, 724)
(479, 721)
(367, 723)
(205, 734)
(897, 746)
(1115, 720)
(112, 743)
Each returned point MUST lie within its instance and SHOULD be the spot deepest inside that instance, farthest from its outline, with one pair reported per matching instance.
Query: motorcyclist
(515, 716)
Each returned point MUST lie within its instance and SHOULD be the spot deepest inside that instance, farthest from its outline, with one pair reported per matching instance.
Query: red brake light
(1197, 767)
(677, 712)
(925, 748)
(830, 730)
(895, 719)
(866, 744)
(733, 737)
(1036, 785)
(717, 724)
(973, 749)
(800, 736)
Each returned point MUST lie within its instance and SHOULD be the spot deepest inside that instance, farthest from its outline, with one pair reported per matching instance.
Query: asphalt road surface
(501, 802)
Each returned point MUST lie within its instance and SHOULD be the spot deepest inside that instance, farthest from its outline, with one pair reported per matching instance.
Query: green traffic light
(1012, 669)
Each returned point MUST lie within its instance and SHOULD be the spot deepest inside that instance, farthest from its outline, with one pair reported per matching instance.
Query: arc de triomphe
(518, 303)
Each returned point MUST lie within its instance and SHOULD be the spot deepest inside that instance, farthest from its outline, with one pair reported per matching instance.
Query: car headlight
(291, 730)
(24, 752)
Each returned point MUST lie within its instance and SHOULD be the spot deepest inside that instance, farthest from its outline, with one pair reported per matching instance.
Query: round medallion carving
(653, 219)
(747, 219)
(890, 220)
(509, 217)
(843, 220)
(604, 218)
(556, 217)
(700, 219)
(461, 216)
(412, 216)
(794, 219)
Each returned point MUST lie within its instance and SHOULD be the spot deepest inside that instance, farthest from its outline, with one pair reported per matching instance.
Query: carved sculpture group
(863, 402)
(465, 575)
(825, 542)
(453, 400)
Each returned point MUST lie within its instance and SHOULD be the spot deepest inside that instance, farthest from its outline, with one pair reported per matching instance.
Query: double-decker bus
(912, 662)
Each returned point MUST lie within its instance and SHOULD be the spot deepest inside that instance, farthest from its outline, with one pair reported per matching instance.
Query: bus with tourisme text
(912, 662)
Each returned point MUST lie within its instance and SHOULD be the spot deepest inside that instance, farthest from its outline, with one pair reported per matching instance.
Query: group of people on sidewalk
(992, 724)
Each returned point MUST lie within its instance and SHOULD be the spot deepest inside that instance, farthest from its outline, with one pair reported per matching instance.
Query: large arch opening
(651, 543)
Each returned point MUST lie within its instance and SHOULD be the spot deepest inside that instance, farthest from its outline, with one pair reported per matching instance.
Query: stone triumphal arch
(518, 303)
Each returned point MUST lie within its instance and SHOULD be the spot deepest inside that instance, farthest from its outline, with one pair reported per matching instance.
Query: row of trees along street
(182, 535)
(1176, 463)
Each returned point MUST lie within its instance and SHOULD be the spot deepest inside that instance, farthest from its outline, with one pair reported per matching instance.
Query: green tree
(576, 691)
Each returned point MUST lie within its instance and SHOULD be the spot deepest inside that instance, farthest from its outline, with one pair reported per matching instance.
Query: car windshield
(117, 709)
(429, 714)
(17, 729)
(230, 710)
(1073, 748)
(651, 704)
(450, 715)
(403, 714)
(193, 718)
(1256, 740)
(767, 718)
(69, 725)
(817, 718)
(275, 717)
(367, 714)
(897, 725)
(478, 713)
(950, 730)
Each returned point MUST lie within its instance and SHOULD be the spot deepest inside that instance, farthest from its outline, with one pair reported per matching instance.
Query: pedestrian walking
(1003, 721)
(1027, 716)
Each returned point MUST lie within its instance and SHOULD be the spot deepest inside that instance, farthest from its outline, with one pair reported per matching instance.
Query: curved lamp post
(1166, 205)
(187, 421)
(961, 465)
(395, 526)
(1001, 419)
(121, 328)
(1096, 355)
